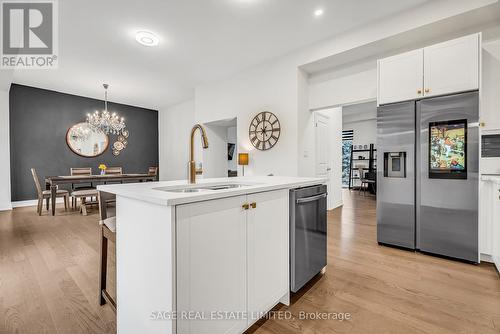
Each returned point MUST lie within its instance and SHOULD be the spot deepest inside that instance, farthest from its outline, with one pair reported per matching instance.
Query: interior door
(268, 251)
(211, 265)
(323, 168)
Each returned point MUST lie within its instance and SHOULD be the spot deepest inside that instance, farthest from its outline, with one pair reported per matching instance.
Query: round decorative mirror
(85, 142)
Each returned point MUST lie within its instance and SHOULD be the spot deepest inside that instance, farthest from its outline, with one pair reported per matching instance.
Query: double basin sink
(205, 187)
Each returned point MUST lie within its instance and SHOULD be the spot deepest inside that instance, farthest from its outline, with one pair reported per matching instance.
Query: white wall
(362, 119)
(271, 87)
(175, 125)
(215, 162)
(334, 156)
(5, 203)
(345, 86)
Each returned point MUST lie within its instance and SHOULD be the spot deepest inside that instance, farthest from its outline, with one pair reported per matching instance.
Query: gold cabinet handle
(427, 90)
(253, 205)
(245, 206)
(419, 91)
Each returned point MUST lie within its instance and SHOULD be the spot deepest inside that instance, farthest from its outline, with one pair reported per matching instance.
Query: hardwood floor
(49, 268)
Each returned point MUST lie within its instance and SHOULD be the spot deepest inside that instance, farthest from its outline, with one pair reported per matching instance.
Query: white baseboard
(32, 202)
(486, 258)
(336, 205)
(5, 206)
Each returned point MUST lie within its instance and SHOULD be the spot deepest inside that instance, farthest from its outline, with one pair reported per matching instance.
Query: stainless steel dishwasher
(308, 235)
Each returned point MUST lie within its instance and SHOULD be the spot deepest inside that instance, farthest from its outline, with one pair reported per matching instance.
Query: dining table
(52, 182)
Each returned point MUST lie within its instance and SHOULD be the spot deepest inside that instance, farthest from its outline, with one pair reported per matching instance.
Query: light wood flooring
(49, 266)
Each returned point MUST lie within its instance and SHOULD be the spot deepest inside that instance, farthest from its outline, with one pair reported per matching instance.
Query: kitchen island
(210, 257)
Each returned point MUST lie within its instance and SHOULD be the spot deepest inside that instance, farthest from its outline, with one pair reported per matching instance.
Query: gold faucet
(204, 143)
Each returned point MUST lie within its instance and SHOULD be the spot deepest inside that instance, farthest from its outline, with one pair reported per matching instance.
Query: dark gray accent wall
(39, 120)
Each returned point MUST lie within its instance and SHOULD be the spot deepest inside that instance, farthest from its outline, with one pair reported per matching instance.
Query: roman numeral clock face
(264, 130)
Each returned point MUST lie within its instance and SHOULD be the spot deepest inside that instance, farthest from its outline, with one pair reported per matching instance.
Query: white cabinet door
(400, 77)
(496, 225)
(211, 265)
(268, 259)
(452, 66)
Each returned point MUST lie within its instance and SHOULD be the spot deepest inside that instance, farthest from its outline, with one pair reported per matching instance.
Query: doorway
(328, 150)
(220, 158)
(359, 153)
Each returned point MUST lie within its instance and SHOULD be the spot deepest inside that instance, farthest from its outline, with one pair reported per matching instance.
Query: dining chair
(365, 181)
(107, 221)
(114, 171)
(80, 171)
(46, 195)
(153, 171)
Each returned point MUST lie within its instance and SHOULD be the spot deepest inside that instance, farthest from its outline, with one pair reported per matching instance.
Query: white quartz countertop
(148, 192)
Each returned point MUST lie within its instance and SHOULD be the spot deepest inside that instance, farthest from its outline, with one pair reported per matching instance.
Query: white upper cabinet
(400, 77)
(452, 66)
(440, 69)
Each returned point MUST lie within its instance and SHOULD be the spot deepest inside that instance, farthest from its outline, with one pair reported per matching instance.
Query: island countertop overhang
(148, 192)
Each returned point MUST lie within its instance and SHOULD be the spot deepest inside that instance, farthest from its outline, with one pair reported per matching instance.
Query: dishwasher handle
(310, 199)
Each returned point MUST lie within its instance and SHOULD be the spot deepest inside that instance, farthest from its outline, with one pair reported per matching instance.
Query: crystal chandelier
(105, 121)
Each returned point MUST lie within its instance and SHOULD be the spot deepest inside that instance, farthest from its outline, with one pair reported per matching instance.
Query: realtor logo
(29, 34)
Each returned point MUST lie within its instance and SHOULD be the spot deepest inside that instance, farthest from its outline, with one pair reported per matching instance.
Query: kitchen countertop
(146, 191)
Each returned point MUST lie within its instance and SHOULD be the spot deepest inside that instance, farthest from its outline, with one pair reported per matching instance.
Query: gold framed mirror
(85, 142)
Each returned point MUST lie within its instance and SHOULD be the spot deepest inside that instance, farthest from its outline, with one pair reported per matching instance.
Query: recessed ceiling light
(318, 12)
(146, 38)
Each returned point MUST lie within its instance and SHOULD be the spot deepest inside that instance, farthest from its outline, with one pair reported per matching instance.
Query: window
(347, 138)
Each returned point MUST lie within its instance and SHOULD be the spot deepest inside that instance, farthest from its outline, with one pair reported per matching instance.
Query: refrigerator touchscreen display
(448, 150)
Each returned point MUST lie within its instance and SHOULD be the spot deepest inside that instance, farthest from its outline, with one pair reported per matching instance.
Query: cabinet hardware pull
(427, 90)
(245, 206)
(419, 91)
(253, 205)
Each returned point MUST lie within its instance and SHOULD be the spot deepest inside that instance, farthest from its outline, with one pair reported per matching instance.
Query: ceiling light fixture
(147, 38)
(318, 12)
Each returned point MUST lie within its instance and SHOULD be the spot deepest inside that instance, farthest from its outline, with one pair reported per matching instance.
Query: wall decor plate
(118, 145)
(125, 133)
(116, 152)
(264, 130)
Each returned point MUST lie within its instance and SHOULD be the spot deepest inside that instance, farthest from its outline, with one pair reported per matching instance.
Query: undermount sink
(201, 187)
(182, 190)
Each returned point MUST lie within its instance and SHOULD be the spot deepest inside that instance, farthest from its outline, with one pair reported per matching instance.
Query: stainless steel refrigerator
(427, 179)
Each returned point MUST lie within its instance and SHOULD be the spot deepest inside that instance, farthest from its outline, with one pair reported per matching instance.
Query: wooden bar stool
(107, 211)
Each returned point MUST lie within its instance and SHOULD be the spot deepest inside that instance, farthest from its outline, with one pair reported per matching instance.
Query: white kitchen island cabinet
(231, 253)
(213, 260)
(211, 265)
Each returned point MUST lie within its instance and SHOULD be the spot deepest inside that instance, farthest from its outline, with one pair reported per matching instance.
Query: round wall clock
(264, 130)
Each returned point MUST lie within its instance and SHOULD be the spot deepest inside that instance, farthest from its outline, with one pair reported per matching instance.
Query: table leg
(47, 187)
(53, 192)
